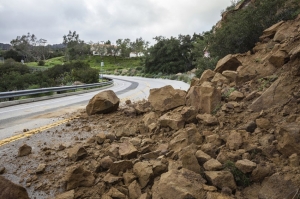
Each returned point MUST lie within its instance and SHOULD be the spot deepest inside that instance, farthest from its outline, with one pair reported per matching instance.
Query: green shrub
(240, 178)
(41, 63)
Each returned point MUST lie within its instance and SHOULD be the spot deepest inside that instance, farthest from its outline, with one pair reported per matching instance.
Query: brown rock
(279, 58)
(229, 62)
(234, 140)
(24, 150)
(119, 166)
(289, 136)
(236, 96)
(77, 153)
(276, 187)
(263, 123)
(127, 150)
(189, 161)
(207, 119)
(294, 160)
(150, 118)
(128, 178)
(2, 170)
(204, 98)
(260, 172)
(246, 166)
(134, 190)
(67, 195)
(143, 170)
(207, 75)
(179, 184)
(214, 195)
(104, 164)
(100, 138)
(185, 137)
(79, 177)
(189, 114)
(103, 102)
(230, 75)
(275, 94)
(115, 193)
(221, 179)
(202, 157)
(166, 98)
(212, 165)
(174, 120)
(40, 169)
(142, 107)
(270, 32)
(219, 79)
(9, 190)
(111, 179)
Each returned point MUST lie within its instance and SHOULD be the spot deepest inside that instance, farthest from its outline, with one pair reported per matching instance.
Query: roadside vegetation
(172, 58)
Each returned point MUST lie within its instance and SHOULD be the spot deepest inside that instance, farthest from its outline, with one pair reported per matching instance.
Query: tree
(124, 46)
(75, 47)
(139, 46)
(30, 48)
(170, 55)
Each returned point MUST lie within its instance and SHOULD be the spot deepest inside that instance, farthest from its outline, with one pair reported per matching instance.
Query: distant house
(105, 50)
(134, 54)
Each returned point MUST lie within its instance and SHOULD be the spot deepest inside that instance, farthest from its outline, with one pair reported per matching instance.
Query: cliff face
(234, 134)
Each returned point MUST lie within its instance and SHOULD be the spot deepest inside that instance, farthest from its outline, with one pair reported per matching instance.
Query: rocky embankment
(234, 134)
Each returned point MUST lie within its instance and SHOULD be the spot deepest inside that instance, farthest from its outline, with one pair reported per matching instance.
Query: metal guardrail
(11, 94)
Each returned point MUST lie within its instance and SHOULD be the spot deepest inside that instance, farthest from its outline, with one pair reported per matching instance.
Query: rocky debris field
(234, 134)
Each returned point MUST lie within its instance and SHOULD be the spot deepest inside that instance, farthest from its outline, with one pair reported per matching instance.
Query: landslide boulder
(9, 190)
(180, 184)
(166, 98)
(103, 102)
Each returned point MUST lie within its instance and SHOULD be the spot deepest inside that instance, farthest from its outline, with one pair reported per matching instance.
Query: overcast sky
(102, 20)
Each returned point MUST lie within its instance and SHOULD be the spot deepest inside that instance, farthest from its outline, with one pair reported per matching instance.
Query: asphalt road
(35, 115)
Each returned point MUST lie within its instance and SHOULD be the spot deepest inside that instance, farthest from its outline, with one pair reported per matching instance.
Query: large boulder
(276, 94)
(180, 184)
(289, 139)
(277, 186)
(229, 62)
(279, 58)
(79, 177)
(166, 98)
(9, 190)
(174, 120)
(204, 98)
(221, 179)
(103, 102)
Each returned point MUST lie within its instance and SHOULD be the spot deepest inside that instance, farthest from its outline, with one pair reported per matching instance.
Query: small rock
(40, 169)
(212, 165)
(24, 150)
(119, 166)
(263, 123)
(2, 170)
(134, 190)
(144, 172)
(202, 157)
(111, 179)
(67, 195)
(221, 179)
(77, 153)
(207, 119)
(246, 166)
(294, 160)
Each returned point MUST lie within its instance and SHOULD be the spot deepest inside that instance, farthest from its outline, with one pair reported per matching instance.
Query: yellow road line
(43, 128)
(34, 131)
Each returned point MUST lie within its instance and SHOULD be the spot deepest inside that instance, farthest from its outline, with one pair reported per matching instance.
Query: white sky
(102, 20)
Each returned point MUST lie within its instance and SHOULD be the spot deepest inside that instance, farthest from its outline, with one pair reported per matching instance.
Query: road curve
(35, 115)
